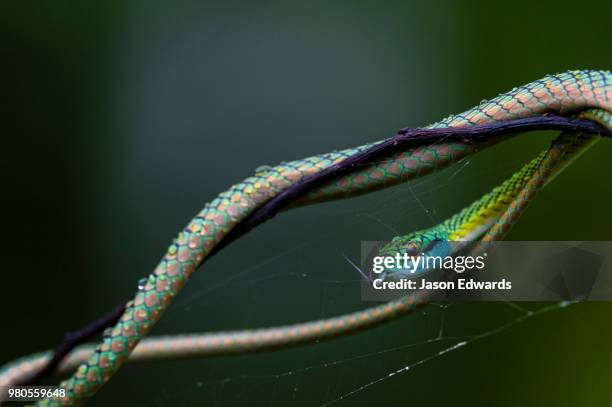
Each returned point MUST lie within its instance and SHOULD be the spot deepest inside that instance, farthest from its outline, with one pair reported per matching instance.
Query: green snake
(567, 94)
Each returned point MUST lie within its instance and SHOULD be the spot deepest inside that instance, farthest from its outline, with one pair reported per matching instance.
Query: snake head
(410, 247)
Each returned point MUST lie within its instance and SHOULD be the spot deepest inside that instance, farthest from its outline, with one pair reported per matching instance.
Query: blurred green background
(124, 118)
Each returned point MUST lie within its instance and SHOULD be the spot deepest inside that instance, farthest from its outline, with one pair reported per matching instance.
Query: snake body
(476, 219)
(566, 94)
(484, 217)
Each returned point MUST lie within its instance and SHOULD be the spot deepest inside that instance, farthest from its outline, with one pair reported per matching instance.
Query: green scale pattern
(563, 93)
(481, 213)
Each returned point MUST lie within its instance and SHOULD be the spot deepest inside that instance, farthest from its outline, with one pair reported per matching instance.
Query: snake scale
(566, 94)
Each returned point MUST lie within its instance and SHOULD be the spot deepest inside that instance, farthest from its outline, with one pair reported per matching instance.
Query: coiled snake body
(565, 94)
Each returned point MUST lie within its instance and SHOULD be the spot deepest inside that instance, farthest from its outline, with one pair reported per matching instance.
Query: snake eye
(412, 247)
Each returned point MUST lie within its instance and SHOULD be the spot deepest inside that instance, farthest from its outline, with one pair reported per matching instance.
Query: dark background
(123, 119)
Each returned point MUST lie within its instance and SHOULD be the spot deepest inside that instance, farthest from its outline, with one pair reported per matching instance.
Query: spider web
(293, 280)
